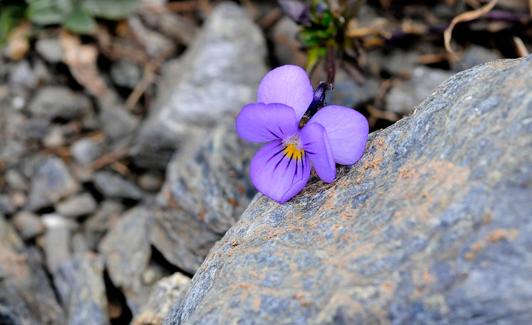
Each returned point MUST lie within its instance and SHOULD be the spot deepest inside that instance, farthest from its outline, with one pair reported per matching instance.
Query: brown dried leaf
(17, 43)
(464, 17)
(81, 60)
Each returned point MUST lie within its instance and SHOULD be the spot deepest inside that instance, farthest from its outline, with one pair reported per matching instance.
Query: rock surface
(127, 263)
(82, 290)
(163, 295)
(431, 226)
(206, 190)
(26, 296)
(217, 75)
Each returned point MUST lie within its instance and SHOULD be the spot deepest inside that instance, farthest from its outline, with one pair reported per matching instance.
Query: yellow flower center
(293, 152)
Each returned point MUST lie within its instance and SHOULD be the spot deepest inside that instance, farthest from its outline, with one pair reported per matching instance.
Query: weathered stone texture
(431, 226)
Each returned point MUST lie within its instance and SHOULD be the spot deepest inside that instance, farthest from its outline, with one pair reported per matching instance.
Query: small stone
(174, 26)
(57, 245)
(114, 186)
(21, 75)
(54, 138)
(400, 62)
(50, 49)
(126, 73)
(85, 151)
(56, 102)
(475, 55)
(28, 225)
(349, 93)
(407, 95)
(6, 205)
(150, 182)
(116, 122)
(18, 199)
(287, 47)
(36, 129)
(79, 244)
(80, 284)
(51, 183)
(165, 293)
(77, 206)
(97, 225)
(15, 180)
(155, 44)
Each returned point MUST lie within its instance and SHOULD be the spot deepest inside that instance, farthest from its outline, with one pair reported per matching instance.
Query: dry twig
(520, 47)
(464, 17)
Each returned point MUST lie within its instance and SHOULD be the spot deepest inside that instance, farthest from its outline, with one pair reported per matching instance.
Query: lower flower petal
(316, 145)
(277, 175)
(347, 131)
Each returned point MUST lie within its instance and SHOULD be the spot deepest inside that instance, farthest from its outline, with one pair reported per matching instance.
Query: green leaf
(46, 12)
(80, 22)
(314, 56)
(111, 9)
(10, 17)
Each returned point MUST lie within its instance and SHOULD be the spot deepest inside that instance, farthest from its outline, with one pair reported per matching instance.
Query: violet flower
(282, 167)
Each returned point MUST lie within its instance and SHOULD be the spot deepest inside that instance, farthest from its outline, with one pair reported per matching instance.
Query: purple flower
(281, 168)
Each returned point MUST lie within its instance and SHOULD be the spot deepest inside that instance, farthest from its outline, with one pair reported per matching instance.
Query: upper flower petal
(316, 145)
(347, 131)
(266, 122)
(276, 175)
(289, 85)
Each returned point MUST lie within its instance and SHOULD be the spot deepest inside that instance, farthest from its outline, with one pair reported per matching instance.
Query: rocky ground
(113, 194)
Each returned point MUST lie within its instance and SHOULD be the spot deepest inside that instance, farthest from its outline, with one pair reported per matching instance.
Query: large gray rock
(26, 296)
(431, 226)
(82, 291)
(126, 263)
(127, 253)
(206, 190)
(219, 73)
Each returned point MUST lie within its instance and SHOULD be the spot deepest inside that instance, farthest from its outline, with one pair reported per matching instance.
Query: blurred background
(119, 164)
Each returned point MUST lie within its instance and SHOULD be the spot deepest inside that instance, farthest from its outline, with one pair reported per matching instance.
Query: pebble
(28, 225)
(113, 185)
(51, 183)
(50, 49)
(77, 206)
(85, 151)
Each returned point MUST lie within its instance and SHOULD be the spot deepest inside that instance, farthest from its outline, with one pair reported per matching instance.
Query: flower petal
(266, 122)
(289, 85)
(316, 145)
(347, 131)
(277, 176)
